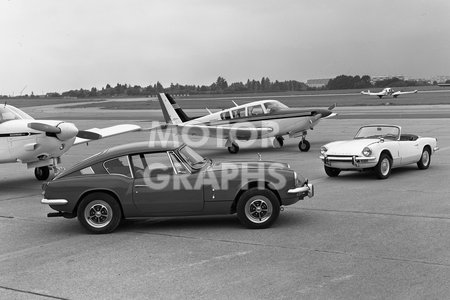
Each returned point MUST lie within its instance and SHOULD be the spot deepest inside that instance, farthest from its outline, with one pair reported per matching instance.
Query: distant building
(317, 83)
(374, 79)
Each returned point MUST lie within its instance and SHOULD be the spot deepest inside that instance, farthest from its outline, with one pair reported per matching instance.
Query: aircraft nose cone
(68, 131)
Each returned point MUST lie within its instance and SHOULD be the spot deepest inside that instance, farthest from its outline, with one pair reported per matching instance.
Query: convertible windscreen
(373, 132)
(191, 157)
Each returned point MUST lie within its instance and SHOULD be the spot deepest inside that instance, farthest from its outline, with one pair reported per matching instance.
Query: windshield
(273, 106)
(194, 159)
(8, 113)
(374, 132)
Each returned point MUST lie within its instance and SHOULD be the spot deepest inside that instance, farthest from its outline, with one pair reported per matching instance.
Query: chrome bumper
(355, 160)
(54, 201)
(309, 188)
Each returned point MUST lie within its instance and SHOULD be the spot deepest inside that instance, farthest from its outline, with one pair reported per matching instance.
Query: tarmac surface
(358, 238)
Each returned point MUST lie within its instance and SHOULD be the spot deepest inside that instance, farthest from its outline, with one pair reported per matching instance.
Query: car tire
(383, 167)
(425, 159)
(258, 209)
(332, 172)
(99, 213)
(304, 146)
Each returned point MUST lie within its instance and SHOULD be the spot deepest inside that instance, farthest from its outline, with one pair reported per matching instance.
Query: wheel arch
(387, 152)
(105, 191)
(427, 146)
(250, 185)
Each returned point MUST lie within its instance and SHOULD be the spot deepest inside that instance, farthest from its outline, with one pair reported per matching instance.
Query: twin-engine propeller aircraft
(40, 143)
(388, 92)
(255, 120)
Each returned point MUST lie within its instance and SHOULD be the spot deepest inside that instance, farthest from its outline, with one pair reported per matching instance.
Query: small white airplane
(40, 143)
(255, 120)
(388, 92)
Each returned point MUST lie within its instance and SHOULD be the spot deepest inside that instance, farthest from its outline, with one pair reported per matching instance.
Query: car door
(164, 187)
(409, 151)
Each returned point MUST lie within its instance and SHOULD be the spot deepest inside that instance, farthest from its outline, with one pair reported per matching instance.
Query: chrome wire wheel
(98, 214)
(258, 209)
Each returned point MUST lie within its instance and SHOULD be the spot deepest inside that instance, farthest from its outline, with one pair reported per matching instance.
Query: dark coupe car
(138, 180)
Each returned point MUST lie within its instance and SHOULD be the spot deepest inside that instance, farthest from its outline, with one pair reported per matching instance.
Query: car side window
(118, 166)
(151, 164)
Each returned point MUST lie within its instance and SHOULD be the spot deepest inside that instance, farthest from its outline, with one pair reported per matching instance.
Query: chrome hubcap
(425, 158)
(258, 209)
(98, 214)
(385, 166)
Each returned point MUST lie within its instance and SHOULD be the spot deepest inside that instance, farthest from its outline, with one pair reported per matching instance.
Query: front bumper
(349, 161)
(302, 191)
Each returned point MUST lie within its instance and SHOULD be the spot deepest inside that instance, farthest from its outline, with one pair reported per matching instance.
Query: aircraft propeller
(64, 131)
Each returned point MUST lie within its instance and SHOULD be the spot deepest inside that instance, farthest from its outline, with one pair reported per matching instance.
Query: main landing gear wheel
(99, 213)
(233, 149)
(425, 159)
(384, 166)
(258, 209)
(42, 173)
(304, 146)
(280, 140)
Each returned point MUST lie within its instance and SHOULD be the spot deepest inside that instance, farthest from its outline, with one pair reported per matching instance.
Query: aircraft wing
(221, 132)
(107, 132)
(395, 94)
(372, 94)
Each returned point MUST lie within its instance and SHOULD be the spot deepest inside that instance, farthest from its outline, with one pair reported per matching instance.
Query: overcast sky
(58, 45)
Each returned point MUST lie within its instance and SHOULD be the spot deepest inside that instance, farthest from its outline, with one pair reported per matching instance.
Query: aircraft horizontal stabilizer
(220, 132)
(105, 132)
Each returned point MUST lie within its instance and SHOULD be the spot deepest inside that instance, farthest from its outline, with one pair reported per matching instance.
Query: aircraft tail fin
(173, 114)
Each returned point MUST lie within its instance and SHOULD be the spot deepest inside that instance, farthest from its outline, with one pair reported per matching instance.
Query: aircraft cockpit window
(19, 113)
(7, 115)
(238, 113)
(225, 115)
(255, 110)
(274, 106)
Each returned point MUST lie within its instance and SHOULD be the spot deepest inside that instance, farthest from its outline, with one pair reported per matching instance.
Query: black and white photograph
(243, 149)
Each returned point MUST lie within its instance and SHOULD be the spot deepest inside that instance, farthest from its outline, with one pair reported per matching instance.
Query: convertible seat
(408, 137)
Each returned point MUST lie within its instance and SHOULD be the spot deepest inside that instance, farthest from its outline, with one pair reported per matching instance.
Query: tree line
(221, 86)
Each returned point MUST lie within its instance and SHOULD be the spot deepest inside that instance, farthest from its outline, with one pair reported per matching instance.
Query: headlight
(323, 150)
(366, 151)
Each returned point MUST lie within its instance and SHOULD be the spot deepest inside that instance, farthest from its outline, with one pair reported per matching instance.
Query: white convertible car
(379, 148)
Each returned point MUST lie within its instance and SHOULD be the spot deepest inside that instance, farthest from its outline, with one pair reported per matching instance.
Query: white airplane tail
(172, 112)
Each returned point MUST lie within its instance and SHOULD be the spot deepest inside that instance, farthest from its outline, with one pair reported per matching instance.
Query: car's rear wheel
(425, 159)
(384, 166)
(332, 172)
(257, 209)
(99, 213)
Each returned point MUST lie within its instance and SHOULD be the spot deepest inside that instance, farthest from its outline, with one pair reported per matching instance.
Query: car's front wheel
(425, 159)
(257, 209)
(332, 172)
(99, 213)
(384, 166)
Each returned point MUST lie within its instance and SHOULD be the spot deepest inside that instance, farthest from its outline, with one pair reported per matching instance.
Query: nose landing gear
(42, 173)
